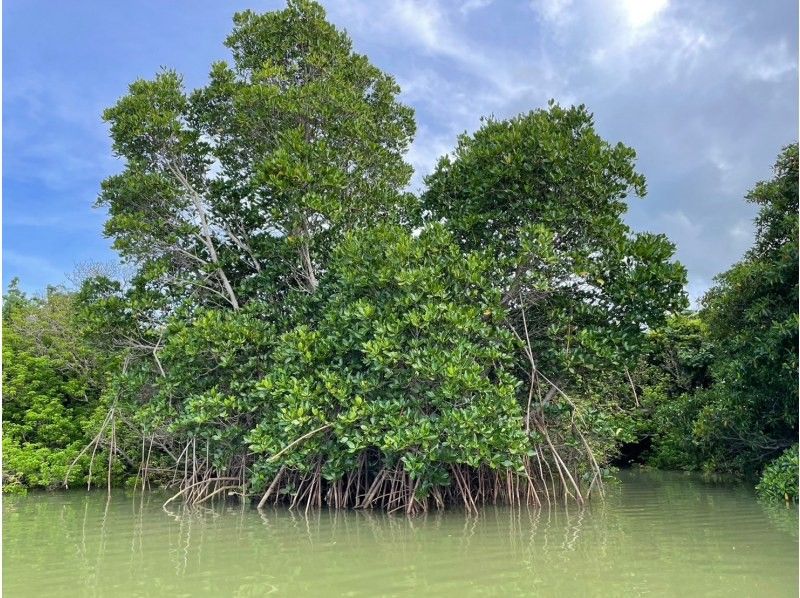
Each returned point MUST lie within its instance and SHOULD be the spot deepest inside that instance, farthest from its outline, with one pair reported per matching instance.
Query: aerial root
(547, 477)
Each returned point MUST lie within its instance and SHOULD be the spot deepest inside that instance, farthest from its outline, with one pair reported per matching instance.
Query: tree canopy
(239, 189)
(300, 328)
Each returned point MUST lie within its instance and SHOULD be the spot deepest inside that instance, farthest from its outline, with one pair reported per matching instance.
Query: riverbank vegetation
(53, 382)
(721, 385)
(301, 329)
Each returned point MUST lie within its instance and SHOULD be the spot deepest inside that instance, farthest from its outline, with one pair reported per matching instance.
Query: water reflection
(660, 534)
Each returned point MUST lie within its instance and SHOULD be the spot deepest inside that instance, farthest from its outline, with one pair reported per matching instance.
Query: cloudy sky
(706, 92)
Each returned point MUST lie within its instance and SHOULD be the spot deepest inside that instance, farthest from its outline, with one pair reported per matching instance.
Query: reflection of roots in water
(529, 532)
(184, 541)
(530, 535)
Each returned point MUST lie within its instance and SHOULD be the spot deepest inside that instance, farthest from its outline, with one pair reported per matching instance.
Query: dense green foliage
(544, 195)
(403, 351)
(289, 324)
(750, 415)
(669, 380)
(53, 384)
(722, 386)
(779, 480)
(239, 190)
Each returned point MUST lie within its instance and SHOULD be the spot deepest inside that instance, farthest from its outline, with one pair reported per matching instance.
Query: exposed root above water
(548, 476)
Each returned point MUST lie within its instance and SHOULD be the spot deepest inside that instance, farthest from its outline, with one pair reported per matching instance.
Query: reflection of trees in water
(110, 543)
(526, 538)
(655, 520)
(782, 516)
(131, 543)
(91, 532)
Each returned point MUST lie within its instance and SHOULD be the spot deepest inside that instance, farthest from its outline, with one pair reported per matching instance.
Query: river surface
(656, 534)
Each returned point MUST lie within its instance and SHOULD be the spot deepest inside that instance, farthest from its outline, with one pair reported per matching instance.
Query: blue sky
(706, 92)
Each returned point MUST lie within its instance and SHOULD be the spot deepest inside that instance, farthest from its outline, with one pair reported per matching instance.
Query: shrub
(780, 478)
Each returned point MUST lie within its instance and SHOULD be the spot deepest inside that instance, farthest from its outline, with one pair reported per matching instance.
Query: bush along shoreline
(296, 328)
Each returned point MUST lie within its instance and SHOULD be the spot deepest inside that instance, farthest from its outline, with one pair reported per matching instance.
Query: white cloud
(641, 12)
(473, 5)
(556, 12)
(696, 288)
(681, 224)
(742, 230)
(427, 27)
(771, 63)
(425, 152)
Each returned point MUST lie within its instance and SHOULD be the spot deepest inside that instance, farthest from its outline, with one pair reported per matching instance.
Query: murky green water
(657, 534)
